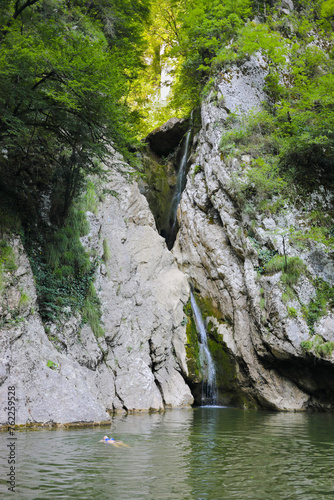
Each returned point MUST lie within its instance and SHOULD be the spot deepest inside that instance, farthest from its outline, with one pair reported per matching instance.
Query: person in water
(108, 440)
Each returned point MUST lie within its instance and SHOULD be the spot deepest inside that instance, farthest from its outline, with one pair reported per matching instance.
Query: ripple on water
(202, 453)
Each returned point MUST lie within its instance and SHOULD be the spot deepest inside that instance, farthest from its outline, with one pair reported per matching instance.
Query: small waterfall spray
(209, 389)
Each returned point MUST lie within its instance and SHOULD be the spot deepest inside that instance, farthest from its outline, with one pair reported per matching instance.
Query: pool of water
(201, 453)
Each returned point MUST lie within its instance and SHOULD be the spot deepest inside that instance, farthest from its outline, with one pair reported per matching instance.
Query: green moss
(192, 347)
(226, 372)
(227, 379)
(209, 309)
(106, 251)
(197, 170)
(160, 177)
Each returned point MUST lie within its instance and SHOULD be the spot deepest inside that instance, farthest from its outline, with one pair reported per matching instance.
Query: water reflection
(202, 453)
(259, 455)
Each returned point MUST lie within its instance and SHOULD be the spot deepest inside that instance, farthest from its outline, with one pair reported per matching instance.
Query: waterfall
(209, 390)
(180, 184)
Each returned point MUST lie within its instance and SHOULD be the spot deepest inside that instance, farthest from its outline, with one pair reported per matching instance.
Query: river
(201, 453)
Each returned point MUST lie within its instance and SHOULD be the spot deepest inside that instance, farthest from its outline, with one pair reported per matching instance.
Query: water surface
(203, 453)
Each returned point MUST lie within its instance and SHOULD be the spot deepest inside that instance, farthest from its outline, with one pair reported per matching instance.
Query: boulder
(163, 140)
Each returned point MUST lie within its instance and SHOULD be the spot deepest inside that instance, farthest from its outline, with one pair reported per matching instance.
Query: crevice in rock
(118, 396)
(159, 386)
(316, 381)
(154, 368)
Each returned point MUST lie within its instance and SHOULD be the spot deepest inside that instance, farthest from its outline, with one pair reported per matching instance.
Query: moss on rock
(160, 176)
(229, 384)
(192, 348)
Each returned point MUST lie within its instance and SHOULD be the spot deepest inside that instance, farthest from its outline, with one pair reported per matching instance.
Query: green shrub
(91, 314)
(51, 364)
(292, 312)
(9, 219)
(265, 178)
(306, 345)
(24, 300)
(321, 234)
(318, 306)
(79, 223)
(69, 257)
(106, 251)
(287, 295)
(89, 200)
(52, 255)
(317, 345)
(7, 257)
(291, 267)
(64, 272)
(60, 240)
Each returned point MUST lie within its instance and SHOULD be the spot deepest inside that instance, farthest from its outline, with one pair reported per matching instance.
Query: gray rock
(288, 5)
(242, 87)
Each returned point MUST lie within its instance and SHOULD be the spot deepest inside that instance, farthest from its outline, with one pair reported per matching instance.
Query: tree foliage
(64, 77)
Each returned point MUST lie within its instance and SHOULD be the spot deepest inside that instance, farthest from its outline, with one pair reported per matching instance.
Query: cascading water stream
(209, 389)
(180, 184)
(181, 177)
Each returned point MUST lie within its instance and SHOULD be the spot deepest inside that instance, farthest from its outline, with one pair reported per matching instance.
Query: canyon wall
(257, 330)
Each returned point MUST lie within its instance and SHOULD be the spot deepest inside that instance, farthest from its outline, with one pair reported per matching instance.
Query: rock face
(256, 336)
(62, 373)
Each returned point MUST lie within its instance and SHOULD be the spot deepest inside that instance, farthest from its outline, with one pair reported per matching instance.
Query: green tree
(65, 69)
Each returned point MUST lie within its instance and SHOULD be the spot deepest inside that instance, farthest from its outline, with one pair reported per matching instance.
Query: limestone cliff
(61, 372)
(258, 333)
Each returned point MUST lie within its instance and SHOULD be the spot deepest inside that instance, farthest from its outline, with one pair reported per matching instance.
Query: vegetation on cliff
(76, 76)
(66, 70)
